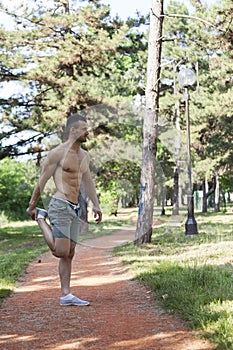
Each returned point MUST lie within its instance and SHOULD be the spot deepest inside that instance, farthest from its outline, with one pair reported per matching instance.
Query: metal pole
(191, 224)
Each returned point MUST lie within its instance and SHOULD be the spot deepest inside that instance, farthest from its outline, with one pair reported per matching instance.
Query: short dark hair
(72, 120)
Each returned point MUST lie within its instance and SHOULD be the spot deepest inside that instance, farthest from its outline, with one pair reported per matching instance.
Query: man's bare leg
(65, 265)
(65, 274)
(65, 262)
(47, 233)
(60, 249)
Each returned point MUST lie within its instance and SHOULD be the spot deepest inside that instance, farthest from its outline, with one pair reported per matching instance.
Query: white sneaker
(70, 299)
(41, 214)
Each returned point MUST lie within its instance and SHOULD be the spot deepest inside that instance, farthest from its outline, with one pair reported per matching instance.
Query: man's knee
(61, 253)
(62, 248)
(65, 254)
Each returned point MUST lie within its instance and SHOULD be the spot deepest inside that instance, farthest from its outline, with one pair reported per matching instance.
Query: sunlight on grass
(217, 321)
(19, 244)
(192, 276)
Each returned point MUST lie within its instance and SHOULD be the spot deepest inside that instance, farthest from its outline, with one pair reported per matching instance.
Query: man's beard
(82, 139)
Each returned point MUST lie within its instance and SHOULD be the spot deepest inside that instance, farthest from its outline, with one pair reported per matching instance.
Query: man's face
(80, 131)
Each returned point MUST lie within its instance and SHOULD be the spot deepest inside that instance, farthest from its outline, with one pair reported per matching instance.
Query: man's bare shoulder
(57, 152)
(59, 148)
(85, 154)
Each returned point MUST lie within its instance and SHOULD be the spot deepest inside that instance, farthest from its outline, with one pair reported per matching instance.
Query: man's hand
(97, 216)
(32, 212)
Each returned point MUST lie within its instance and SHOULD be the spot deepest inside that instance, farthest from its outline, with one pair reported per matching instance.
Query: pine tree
(65, 58)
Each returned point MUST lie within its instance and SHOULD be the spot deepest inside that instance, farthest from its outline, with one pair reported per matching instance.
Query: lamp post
(186, 78)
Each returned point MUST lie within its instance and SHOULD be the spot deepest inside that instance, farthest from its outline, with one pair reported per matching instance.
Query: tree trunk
(217, 195)
(223, 194)
(163, 199)
(175, 210)
(207, 194)
(204, 197)
(82, 200)
(176, 197)
(150, 127)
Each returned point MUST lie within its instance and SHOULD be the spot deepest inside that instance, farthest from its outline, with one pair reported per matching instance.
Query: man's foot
(70, 299)
(41, 214)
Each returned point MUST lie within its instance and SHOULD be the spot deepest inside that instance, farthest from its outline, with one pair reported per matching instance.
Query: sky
(122, 8)
(126, 8)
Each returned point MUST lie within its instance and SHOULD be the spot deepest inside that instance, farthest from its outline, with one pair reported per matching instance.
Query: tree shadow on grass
(201, 295)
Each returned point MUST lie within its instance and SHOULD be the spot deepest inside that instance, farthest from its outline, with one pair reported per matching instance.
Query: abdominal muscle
(67, 184)
(68, 175)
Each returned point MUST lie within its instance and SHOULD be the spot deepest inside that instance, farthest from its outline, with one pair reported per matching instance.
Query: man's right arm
(48, 169)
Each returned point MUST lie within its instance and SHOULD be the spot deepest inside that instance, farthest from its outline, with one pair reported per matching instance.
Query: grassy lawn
(192, 276)
(21, 242)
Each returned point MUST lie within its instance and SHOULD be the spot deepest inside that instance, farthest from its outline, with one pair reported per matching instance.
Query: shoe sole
(71, 304)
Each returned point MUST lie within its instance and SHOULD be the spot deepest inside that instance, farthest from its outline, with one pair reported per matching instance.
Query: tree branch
(13, 149)
(191, 17)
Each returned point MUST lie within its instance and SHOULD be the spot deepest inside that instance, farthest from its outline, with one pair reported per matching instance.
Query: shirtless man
(68, 164)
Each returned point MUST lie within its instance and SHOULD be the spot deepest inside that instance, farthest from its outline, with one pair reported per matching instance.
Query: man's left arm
(90, 191)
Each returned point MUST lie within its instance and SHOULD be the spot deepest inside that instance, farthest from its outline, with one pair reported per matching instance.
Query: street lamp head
(186, 77)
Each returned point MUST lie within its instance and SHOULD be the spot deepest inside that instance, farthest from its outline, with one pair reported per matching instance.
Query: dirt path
(122, 315)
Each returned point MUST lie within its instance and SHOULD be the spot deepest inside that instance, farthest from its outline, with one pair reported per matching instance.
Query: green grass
(192, 276)
(22, 242)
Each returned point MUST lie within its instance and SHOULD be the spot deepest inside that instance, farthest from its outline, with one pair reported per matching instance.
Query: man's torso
(68, 174)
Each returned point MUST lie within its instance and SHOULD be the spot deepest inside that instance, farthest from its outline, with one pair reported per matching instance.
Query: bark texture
(150, 126)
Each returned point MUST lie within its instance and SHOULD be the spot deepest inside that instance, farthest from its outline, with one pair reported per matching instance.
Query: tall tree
(206, 40)
(65, 58)
(214, 134)
(150, 126)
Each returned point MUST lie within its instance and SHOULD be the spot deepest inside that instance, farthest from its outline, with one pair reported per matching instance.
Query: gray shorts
(64, 219)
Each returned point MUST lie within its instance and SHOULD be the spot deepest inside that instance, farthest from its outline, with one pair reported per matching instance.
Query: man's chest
(73, 163)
